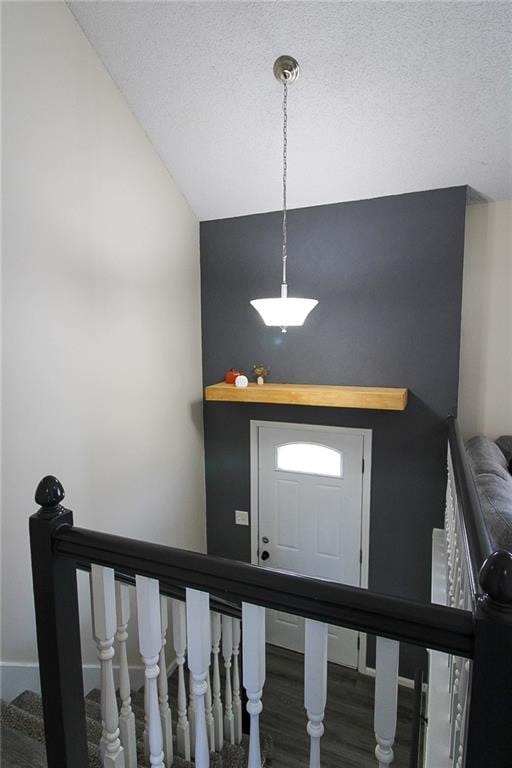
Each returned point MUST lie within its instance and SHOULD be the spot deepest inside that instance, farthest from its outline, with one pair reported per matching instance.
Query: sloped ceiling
(393, 96)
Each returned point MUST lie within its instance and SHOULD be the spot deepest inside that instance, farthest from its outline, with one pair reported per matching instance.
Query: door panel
(287, 534)
(327, 539)
(312, 520)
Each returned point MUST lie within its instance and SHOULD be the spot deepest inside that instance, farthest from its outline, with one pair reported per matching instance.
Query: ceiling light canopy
(283, 311)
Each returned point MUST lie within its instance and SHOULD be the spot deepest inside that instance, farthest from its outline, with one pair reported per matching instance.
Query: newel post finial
(49, 495)
(496, 581)
(58, 630)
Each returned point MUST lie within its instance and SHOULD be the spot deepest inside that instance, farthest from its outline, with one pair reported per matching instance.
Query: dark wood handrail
(218, 604)
(427, 625)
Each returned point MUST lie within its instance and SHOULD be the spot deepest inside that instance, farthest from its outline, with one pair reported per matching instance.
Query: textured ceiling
(393, 96)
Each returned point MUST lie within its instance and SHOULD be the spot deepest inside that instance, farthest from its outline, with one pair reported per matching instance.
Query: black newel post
(489, 731)
(58, 633)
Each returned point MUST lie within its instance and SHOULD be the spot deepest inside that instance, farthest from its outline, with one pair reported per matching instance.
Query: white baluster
(455, 688)
(103, 597)
(315, 684)
(150, 642)
(253, 660)
(457, 729)
(199, 644)
(179, 629)
(147, 706)
(386, 696)
(227, 652)
(163, 687)
(460, 720)
(217, 698)
(192, 714)
(449, 531)
(237, 701)
(210, 723)
(464, 699)
(126, 718)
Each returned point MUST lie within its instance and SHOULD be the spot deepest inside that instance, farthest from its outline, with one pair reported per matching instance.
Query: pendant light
(283, 311)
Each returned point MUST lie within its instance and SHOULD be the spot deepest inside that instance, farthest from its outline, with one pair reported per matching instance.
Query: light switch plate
(241, 517)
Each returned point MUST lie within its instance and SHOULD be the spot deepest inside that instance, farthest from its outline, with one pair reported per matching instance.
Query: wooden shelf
(376, 398)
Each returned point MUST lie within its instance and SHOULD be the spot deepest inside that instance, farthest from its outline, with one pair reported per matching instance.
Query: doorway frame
(367, 435)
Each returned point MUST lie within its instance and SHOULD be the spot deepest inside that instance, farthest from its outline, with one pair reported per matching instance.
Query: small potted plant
(260, 371)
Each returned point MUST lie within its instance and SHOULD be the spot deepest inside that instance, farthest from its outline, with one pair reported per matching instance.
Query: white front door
(310, 494)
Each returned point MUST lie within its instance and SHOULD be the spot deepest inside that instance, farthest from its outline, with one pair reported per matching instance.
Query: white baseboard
(16, 678)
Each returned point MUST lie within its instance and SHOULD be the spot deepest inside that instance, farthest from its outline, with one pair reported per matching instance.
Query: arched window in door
(310, 459)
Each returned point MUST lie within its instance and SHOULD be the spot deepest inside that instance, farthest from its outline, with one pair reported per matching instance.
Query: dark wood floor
(349, 739)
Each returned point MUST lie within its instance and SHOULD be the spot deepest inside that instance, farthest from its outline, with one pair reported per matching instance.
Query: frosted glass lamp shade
(284, 312)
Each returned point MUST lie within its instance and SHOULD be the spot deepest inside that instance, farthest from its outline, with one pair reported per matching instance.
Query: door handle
(265, 555)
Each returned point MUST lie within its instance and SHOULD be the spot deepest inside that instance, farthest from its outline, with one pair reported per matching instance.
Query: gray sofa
(491, 463)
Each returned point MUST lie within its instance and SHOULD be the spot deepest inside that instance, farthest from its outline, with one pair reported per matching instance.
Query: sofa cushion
(495, 495)
(494, 485)
(504, 443)
(486, 457)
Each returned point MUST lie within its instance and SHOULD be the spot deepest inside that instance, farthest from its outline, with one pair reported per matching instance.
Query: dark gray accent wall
(388, 276)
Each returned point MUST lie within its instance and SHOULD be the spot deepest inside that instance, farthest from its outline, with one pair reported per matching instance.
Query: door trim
(366, 434)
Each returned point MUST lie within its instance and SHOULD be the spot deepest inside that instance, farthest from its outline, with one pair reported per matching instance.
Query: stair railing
(59, 549)
(127, 733)
(479, 580)
(103, 608)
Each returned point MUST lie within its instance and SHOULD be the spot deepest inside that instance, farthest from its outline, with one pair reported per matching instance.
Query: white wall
(485, 390)
(101, 353)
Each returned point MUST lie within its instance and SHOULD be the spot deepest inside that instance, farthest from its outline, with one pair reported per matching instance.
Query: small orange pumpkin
(231, 375)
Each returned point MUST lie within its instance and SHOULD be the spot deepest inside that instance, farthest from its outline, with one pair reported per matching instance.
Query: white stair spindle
(386, 699)
(163, 687)
(199, 645)
(192, 714)
(455, 687)
(459, 703)
(126, 718)
(227, 652)
(147, 705)
(210, 723)
(150, 642)
(218, 717)
(103, 597)
(237, 701)
(315, 684)
(464, 711)
(179, 630)
(253, 661)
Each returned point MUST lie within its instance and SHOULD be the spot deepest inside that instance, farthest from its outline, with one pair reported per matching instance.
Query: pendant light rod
(286, 70)
(285, 176)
